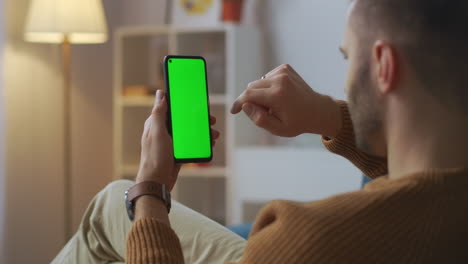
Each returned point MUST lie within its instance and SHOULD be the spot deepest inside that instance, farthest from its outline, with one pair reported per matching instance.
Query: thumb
(262, 118)
(159, 112)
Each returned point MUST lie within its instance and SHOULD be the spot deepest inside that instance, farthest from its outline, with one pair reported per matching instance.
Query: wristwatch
(146, 188)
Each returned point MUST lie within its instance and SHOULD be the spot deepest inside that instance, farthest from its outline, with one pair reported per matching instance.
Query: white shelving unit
(234, 58)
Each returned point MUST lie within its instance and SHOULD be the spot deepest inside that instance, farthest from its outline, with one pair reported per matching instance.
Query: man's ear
(385, 61)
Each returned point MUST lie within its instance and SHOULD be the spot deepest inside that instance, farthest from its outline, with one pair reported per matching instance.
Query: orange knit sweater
(421, 218)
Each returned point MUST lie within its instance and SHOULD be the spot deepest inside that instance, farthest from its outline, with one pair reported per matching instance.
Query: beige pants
(102, 234)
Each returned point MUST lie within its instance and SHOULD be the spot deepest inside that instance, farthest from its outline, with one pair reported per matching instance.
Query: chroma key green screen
(188, 100)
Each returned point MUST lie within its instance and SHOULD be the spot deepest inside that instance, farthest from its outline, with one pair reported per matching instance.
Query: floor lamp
(66, 22)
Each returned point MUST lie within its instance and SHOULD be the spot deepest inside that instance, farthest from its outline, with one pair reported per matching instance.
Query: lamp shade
(54, 21)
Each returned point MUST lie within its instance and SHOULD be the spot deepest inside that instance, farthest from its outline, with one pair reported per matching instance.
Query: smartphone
(188, 108)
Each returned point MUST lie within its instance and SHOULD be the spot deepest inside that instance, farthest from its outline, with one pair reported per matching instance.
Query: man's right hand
(284, 104)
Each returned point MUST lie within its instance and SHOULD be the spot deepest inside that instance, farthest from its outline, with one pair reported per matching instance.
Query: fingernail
(159, 96)
(232, 110)
(248, 109)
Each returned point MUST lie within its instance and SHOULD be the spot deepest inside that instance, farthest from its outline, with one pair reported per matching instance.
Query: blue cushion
(365, 180)
(242, 230)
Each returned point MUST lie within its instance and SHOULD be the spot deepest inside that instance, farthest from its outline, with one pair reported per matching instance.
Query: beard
(365, 112)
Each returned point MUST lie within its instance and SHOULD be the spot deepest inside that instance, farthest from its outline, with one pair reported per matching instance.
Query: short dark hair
(433, 36)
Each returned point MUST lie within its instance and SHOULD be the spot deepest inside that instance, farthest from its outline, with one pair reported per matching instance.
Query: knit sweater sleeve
(150, 241)
(345, 145)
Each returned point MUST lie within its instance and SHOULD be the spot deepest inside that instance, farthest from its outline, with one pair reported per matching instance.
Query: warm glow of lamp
(57, 21)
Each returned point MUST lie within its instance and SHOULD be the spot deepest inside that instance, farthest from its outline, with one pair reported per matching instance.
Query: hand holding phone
(157, 159)
(156, 162)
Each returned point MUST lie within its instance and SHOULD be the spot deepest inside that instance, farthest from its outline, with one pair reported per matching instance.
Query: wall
(306, 34)
(92, 116)
(144, 12)
(2, 142)
(33, 97)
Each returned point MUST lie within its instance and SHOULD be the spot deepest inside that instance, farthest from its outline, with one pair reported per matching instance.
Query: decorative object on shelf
(136, 90)
(66, 22)
(151, 89)
(232, 10)
(196, 13)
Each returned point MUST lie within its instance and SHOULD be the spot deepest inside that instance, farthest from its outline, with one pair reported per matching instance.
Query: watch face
(130, 207)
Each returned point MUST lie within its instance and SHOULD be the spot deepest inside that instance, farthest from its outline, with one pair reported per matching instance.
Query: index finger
(259, 84)
(284, 68)
(272, 72)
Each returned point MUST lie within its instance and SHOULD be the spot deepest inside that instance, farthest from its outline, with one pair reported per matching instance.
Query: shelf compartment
(142, 60)
(148, 101)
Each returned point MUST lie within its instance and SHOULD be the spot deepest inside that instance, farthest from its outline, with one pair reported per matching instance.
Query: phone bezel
(169, 116)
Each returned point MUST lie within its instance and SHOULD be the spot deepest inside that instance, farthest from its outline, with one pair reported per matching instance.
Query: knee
(108, 201)
(117, 188)
(119, 185)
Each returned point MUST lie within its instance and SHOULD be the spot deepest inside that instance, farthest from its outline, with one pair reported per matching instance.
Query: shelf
(207, 172)
(217, 99)
(162, 30)
(199, 30)
(137, 101)
(187, 171)
(148, 101)
(142, 31)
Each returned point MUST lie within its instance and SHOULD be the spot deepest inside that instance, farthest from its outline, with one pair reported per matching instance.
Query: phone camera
(170, 61)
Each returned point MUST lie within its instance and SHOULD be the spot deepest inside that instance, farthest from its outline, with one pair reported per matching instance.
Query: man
(408, 105)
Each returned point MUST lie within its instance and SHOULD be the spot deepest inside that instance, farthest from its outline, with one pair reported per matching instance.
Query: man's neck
(430, 140)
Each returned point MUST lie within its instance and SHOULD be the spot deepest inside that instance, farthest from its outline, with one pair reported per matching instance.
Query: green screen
(189, 108)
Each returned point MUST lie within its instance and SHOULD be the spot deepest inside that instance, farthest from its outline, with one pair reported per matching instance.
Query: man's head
(404, 49)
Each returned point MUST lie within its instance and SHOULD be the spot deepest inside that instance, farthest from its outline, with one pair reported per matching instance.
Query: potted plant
(232, 10)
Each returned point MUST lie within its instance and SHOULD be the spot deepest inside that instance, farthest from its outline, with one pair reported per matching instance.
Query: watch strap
(150, 188)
